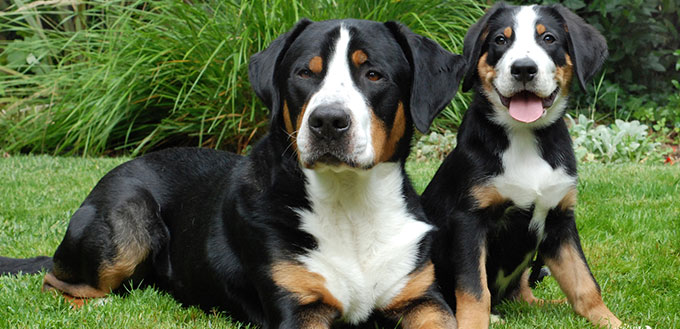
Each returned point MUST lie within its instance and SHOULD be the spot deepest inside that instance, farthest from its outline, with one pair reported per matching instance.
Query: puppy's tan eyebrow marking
(316, 64)
(507, 32)
(540, 29)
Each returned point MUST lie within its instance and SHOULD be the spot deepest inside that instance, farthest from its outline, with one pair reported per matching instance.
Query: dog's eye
(500, 40)
(549, 38)
(373, 75)
(305, 73)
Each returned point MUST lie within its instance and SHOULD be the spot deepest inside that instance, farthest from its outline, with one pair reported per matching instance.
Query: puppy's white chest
(528, 179)
(367, 241)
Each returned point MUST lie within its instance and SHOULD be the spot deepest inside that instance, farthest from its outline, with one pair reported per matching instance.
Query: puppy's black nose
(524, 70)
(329, 122)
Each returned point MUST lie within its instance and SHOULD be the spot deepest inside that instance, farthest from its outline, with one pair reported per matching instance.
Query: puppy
(505, 195)
(319, 224)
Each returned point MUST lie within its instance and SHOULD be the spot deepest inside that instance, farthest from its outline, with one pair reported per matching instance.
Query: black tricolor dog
(507, 191)
(319, 224)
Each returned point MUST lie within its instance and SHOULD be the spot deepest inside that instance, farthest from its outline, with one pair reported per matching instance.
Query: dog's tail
(10, 266)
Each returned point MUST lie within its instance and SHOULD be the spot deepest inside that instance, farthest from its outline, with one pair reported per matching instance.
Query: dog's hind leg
(107, 242)
(526, 294)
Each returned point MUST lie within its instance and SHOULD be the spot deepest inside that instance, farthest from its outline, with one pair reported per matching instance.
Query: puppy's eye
(549, 38)
(373, 75)
(501, 40)
(305, 73)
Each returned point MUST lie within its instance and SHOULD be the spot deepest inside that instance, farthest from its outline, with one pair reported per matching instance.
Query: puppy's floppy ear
(474, 43)
(262, 67)
(587, 47)
(436, 74)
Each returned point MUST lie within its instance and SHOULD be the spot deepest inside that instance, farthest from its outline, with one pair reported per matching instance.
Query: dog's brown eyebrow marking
(507, 32)
(540, 29)
(359, 57)
(316, 64)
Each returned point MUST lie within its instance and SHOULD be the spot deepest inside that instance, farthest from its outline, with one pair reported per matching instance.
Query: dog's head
(346, 93)
(523, 60)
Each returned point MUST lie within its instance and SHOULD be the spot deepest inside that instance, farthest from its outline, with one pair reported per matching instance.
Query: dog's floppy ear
(436, 74)
(587, 47)
(262, 67)
(474, 42)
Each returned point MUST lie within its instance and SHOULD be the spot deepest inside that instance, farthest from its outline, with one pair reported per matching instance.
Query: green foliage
(626, 216)
(620, 142)
(120, 76)
(434, 146)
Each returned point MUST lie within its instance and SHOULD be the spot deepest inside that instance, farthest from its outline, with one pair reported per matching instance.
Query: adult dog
(319, 224)
(506, 192)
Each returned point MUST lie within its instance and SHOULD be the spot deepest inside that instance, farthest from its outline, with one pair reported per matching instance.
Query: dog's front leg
(419, 305)
(473, 299)
(302, 300)
(562, 253)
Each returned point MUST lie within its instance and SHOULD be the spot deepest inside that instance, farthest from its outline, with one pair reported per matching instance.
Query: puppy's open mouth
(526, 106)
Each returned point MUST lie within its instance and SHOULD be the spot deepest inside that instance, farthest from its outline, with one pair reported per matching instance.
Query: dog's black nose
(329, 122)
(524, 70)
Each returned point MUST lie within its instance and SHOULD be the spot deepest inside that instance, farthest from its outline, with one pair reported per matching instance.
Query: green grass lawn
(628, 216)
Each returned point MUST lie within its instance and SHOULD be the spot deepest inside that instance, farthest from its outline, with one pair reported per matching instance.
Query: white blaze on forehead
(338, 88)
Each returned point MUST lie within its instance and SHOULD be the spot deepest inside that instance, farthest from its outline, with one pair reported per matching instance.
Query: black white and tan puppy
(506, 193)
(319, 224)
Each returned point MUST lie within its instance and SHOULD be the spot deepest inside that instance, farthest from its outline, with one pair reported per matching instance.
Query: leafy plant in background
(95, 77)
(619, 142)
(434, 146)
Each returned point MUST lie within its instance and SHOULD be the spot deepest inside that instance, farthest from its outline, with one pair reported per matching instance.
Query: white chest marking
(527, 179)
(367, 240)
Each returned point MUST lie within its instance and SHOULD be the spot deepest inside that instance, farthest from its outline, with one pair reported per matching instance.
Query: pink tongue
(526, 107)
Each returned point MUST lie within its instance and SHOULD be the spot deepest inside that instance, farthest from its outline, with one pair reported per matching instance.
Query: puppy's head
(344, 94)
(523, 60)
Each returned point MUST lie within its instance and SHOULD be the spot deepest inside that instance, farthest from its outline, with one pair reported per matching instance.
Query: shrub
(434, 146)
(119, 76)
(620, 142)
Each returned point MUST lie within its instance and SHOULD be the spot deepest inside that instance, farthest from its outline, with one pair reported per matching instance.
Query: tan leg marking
(508, 32)
(527, 295)
(130, 253)
(428, 316)
(50, 282)
(487, 196)
(384, 146)
(320, 317)
(563, 75)
(316, 64)
(540, 29)
(473, 311)
(576, 282)
(359, 57)
(486, 73)
(569, 200)
(308, 287)
(418, 284)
